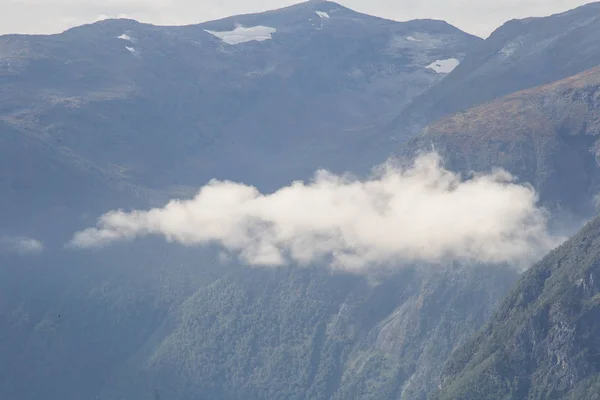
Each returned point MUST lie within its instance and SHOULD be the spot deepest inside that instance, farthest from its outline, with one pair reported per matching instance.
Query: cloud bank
(420, 213)
(20, 245)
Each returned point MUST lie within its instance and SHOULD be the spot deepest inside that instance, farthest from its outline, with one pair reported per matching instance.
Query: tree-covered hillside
(309, 334)
(543, 341)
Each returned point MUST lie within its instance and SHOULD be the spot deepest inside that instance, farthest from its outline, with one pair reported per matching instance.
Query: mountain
(519, 55)
(309, 334)
(543, 341)
(275, 94)
(546, 136)
(120, 114)
(48, 191)
(147, 318)
(69, 320)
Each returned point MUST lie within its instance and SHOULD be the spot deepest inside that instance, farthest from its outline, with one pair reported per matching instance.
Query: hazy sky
(480, 17)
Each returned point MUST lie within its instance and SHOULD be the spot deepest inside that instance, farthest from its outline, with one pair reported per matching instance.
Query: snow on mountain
(444, 66)
(242, 35)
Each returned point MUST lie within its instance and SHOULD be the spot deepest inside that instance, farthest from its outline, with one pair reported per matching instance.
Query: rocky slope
(546, 136)
(543, 341)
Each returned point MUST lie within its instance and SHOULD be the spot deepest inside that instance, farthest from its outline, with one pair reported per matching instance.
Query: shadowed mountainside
(543, 341)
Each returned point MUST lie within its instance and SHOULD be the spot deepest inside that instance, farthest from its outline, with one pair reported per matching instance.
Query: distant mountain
(543, 342)
(261, 98)
(546, 136)
(519, 55)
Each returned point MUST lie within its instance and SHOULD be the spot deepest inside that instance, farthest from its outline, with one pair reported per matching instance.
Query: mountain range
(123, 115)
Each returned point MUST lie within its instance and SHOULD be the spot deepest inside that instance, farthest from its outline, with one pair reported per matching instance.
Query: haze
(53, 16)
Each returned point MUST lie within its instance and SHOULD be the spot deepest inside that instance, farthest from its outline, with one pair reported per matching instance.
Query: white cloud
(103, 17)
(475, 16)
(20, 245)
(420, 213)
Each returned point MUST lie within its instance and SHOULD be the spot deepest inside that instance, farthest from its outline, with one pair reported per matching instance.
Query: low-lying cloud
(20, 245)
(420, 213)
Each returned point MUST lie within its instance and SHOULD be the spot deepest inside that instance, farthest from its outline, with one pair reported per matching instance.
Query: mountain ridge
(520, 54)
(210, 92)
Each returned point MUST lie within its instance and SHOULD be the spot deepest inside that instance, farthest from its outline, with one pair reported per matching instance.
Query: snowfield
(242, 35)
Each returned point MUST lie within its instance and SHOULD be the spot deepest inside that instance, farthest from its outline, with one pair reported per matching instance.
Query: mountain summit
(263, 98)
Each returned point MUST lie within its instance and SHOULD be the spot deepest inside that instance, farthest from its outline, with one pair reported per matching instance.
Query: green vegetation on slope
(308, 334)
(543, 342)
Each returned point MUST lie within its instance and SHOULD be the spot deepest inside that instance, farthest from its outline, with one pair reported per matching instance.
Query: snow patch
(125, 37)
(242, 35)
(412, 39)
(444, 66)
(323, 14)
(131, 49)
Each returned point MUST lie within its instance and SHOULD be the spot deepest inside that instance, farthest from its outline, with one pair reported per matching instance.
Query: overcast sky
(479, 17)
